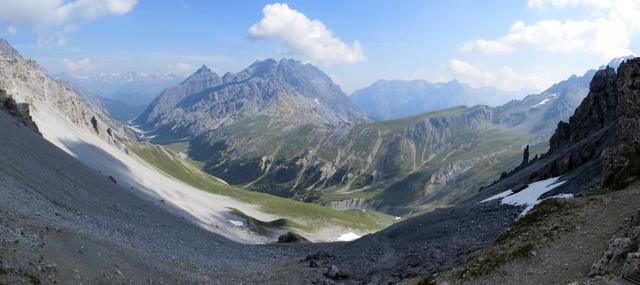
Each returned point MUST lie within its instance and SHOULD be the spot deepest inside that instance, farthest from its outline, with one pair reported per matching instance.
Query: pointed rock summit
(203, 76)
(7, 51)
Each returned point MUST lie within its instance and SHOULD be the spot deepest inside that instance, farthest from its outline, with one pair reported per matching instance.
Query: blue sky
(507, 44)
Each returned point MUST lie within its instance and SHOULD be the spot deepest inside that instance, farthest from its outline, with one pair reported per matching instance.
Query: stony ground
(557, 247)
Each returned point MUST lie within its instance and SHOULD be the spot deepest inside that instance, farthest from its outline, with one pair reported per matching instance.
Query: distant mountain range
(132, 88)
(392, 99)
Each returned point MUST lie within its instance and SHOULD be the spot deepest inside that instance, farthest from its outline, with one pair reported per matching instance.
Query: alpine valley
(284, 128)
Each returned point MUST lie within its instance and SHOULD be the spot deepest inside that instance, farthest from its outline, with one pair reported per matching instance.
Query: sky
(510, 45)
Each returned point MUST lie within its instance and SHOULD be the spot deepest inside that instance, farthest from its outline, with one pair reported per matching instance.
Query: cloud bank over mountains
(308, 38)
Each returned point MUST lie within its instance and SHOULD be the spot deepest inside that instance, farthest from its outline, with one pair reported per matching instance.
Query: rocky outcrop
(622, 161)
(46, 99)
(19, 111)
(351, 204)
(595, 113)
(623, 253)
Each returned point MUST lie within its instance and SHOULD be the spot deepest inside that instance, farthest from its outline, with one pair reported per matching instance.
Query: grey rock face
(623, 156)
(161, 110)
(351, 204)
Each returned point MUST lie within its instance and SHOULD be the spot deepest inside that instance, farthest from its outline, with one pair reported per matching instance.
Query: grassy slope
(477, 142)
(310, 216)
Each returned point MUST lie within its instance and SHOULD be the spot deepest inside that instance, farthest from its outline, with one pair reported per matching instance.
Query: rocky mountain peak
(203, 69)
(7, 51)
(203, 75)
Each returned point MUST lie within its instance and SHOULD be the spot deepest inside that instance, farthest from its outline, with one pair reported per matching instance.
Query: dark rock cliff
(19, 111)
(600, 145)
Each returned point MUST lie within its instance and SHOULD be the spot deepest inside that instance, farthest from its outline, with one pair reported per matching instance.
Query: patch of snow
(530, 196)
(348, 237)
(236, 223)
(562, 196)
(135, 129)
(397, 218)
(541, 103)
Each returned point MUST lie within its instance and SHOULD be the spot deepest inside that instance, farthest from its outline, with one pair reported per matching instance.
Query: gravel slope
(62, 221)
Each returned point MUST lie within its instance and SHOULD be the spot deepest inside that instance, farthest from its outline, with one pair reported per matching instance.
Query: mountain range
(133, 88)
(75, 123)
(288, 92)
(393, 99)
(285, 128)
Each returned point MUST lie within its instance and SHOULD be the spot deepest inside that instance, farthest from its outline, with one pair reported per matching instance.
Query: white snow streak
(348, 237)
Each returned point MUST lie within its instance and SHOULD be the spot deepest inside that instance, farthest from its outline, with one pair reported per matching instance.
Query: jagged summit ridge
(285, 90)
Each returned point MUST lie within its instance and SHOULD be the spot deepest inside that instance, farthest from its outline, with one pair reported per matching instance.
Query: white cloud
(504, 78)
(80, 65)
(11, 30)
(53, 19)
(608, 34)
(305, 37)
(181, 68)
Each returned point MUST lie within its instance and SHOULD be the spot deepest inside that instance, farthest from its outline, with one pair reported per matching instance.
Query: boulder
(291, 237)
(631, 264)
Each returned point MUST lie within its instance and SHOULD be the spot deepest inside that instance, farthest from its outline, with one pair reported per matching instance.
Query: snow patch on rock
(348, 237)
